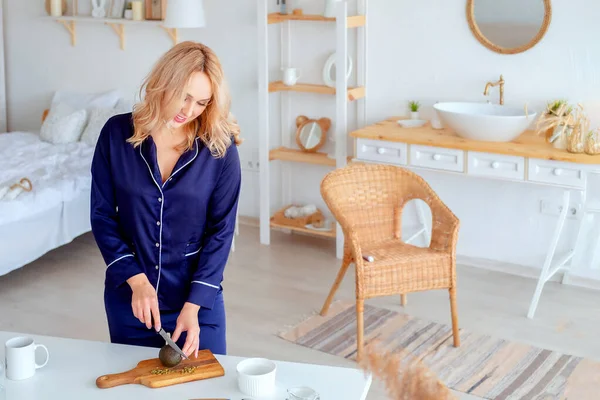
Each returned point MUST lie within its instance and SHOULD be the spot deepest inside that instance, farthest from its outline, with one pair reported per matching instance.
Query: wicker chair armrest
(444, 229)
(352, 241)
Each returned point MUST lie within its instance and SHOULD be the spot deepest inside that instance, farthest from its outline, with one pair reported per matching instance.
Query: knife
(171, 343)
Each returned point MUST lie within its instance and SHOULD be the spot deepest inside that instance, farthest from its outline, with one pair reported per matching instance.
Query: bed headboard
(45, 114)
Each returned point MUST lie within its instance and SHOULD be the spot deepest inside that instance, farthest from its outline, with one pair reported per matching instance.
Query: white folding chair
(591, 209)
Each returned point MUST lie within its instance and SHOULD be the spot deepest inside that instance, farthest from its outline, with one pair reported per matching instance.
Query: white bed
(56, 210)
(57, 161)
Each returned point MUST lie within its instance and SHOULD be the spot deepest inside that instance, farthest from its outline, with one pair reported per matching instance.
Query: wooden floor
(270, 287)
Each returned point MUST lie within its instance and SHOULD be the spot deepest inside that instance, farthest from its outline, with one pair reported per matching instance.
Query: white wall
(417, 50)
(40, 60)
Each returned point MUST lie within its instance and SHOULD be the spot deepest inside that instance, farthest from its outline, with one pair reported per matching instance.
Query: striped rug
(484, 366)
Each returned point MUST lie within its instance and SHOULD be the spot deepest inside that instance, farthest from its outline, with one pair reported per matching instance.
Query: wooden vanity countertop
(527, 145)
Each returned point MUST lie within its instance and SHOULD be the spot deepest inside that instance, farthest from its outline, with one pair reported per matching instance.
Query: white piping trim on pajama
(180, 168)
(120, 258)
(193, 252)
(206, 284)
(162, 203)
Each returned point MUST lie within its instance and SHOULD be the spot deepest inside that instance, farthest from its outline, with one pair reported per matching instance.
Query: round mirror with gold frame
(311, 133)
(509, 26)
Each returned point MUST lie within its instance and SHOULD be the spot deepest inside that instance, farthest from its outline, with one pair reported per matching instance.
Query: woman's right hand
(144, 301)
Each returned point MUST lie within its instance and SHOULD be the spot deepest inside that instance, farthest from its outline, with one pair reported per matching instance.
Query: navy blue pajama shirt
(179, 233)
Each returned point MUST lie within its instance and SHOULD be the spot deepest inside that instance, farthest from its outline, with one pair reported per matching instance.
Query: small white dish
(412, 123)
(302, 393)
(326, 226)
(256, 376)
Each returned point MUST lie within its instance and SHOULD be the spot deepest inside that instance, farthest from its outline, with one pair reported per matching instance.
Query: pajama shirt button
(157, 244)
(156, 267)
(157, 222)
(159, 199)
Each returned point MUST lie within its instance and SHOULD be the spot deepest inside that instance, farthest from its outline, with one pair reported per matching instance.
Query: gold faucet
(490, 84)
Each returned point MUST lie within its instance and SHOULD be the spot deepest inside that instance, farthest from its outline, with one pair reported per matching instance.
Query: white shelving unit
(343, 94)
(117, 24)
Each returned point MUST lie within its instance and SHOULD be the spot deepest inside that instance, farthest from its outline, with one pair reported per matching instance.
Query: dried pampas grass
(404, 376)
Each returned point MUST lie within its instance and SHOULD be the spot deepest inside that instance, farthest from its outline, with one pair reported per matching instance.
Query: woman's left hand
(188, 322)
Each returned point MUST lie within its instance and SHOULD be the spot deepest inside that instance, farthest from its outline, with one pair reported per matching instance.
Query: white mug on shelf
(290, 76)
(20, 358)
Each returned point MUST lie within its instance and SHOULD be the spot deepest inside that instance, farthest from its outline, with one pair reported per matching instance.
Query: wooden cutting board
(206, 365)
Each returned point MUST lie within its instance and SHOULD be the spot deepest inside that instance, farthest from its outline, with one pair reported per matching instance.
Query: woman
(165, 189)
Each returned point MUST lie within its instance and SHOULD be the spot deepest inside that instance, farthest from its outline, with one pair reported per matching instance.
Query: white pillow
(124, 105)
(64, 124)
(79, 100)
(97, 120)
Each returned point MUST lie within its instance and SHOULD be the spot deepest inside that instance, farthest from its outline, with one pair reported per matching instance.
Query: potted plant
(592, 142)
(556, 123)
(129, 11)
(414, 109)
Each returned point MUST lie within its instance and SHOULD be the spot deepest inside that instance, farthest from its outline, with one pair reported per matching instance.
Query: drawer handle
(381, 150)
(495, 164)
(557, 171)
(437, 157)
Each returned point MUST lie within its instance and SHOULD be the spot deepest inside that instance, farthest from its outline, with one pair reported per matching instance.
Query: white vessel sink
(483, 121)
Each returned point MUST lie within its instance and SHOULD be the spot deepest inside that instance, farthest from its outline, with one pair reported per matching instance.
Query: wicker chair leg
(336, 285)
(454, 317)
(403, 299)
(360, 308)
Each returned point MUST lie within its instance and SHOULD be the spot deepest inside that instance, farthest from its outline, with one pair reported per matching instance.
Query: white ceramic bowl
(256, 376)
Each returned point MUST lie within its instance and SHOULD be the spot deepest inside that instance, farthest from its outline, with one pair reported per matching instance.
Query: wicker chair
(367, 200)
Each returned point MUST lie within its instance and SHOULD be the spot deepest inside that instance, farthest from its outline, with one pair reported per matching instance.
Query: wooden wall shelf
(295, 155)
(354, 93)
(287, 154)
(330, 233)
(117, 24)
(352, 21)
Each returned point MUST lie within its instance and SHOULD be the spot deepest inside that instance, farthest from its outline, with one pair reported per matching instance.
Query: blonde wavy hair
(166, 84)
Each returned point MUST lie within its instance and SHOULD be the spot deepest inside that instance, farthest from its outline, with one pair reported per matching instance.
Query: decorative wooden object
(206, 367)
(63, 6)
(503, 50)
(529, 144)
(316, 219)
(156, 9)
(354, 93)
(276, 18)
(303, 122)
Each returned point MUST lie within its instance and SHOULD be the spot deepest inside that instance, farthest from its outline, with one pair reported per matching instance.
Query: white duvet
(58, 173)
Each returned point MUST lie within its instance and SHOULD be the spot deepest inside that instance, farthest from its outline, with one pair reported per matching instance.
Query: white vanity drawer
(437, 158)
(556, 172)
(496, 165)
(381, 150)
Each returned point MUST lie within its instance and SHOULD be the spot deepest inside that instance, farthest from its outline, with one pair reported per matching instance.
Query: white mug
(291, 76)
(256, 376)
(20, 358)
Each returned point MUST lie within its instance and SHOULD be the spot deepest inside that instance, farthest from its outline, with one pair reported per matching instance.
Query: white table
(75, 364)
